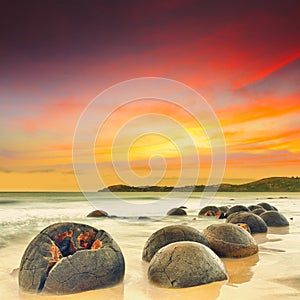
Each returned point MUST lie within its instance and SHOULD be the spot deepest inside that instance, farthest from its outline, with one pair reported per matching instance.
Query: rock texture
(171, 234)
(255, 222)
(274, 218)
(230, 240)
(185, 264)
(69, 258)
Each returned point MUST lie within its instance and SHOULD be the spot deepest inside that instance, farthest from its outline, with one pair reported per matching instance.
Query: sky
(243, 57)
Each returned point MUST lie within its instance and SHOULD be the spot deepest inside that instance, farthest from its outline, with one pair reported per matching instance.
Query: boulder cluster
(255, 218)
(69, 258)
(181, 256)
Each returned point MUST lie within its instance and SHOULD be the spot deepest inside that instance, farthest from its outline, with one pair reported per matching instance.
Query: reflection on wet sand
(279, 230)
(240, 269)
(209, 291)
(115, 293)
(262, 238)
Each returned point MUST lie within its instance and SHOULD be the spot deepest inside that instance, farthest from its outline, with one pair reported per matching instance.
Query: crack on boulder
(59, 242)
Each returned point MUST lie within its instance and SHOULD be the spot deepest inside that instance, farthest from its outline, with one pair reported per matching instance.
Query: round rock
(255, 222)
(266, 206)
(69, 258)
(98, 214)
(236, 208)
(185, 264)
(177, 211)
(171, 234)
(208, 209)
(230, 240)
(274, 218)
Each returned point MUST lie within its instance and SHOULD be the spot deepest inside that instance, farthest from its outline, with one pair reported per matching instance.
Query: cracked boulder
(171, 234)
(255, 222)
(68, 258)
(185, 264)
(230, 240)
(210, 210)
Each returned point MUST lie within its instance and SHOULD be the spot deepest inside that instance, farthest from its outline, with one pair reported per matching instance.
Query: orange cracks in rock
(96, 245)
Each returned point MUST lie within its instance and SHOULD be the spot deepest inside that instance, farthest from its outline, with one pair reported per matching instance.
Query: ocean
(272, 274)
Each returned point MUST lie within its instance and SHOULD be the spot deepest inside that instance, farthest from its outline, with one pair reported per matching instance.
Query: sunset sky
(56, 56)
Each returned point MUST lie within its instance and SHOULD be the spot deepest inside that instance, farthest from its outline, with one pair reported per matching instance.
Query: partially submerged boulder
(171, 234)
(209, 210)
(230, 240)
(274, 218)
(177, 211)
(255, 222)
(185, 264)
(267, 206)
(69, 258)
(97, 214)
(236, 208)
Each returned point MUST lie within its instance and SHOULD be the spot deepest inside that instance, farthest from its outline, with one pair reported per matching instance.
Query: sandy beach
(273, 273)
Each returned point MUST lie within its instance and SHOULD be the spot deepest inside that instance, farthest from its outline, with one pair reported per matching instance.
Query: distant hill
(271, 184)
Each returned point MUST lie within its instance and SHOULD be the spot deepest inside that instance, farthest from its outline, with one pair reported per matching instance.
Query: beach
(273, 273)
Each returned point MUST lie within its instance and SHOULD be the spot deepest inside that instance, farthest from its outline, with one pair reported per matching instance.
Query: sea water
(273, 273)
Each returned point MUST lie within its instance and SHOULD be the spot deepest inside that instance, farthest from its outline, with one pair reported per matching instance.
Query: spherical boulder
(208, 210)
(230, 240)
(252, 207)
(255, 222)
(236, 208)
(171, 234)
(97, 214)
(266, 206)
(177, 211)
(185, 264)
(68, 258)
(258, 211)
(274, 218)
